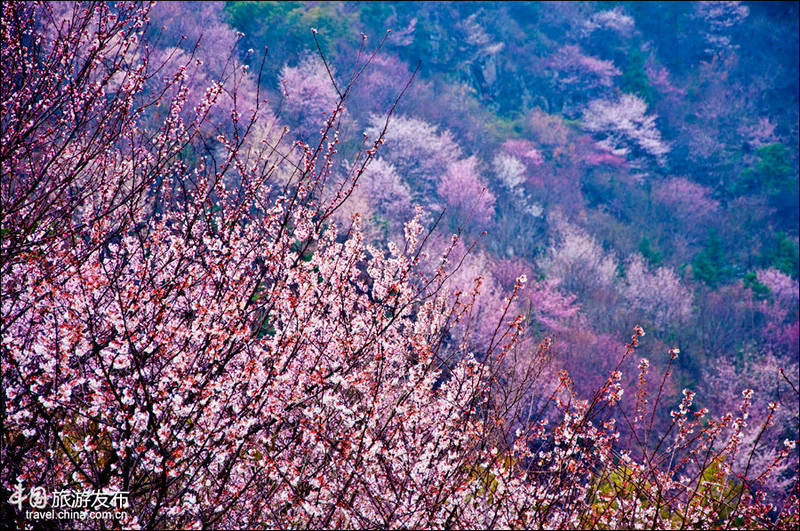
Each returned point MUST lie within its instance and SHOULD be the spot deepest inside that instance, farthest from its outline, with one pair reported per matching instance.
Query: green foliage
(266, 327)
(634, 79)
(304, 247)
(261, 21)
(775, 166)
(783, 255)
(760, 291)
(714, 490)
(614, 195)
(485, 480)
(720, 494)
(375, 14)
(771, 173)
(286, 26)
(774, 175)
(618, 484)
(653, 255)
(780, 177)
(710, 265)
(668, 31)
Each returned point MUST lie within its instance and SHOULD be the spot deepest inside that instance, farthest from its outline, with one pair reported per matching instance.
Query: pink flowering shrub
(383, 199)
(781, 309)
(572, 70)
(510, 171)
(547, 130)
(685, 199)
(220, 350)
(760, 133)
(594, 154)
(579, 261)
(614, 20)
(309, 96)
(658, 76)
(544, 301)
(781, 286)
(465, 192)
(776, 378)
(523, 150)
(381, 83)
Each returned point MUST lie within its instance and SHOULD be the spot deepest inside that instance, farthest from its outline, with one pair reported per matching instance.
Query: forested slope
(507, 265)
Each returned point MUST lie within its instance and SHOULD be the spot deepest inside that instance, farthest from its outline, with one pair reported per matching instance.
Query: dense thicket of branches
(184, 319)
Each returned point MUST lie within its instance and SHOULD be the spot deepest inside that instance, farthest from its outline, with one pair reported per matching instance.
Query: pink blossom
(685, 199)
(310, 96)
(783, 287)
(523, 150)
(464, 190)
(573, 69)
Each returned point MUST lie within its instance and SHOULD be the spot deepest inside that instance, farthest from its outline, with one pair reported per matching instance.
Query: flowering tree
(464, 191)
(781, 285)
(309, 95)
(549, 306)
(776, 379)
(615, 20)
(510, 170)
(513, 164)
(686, 199)
(178, 24)
(547, 130)
(573, 69)
(221, 351)
(418, 150)
(780, 309)
(659, 294)
(383, 199)
(659, 77)
(195, 344)
(719, 18)
(524, 150)
(579, 261)
(381, 83)
(626, 129)
(579, 77)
